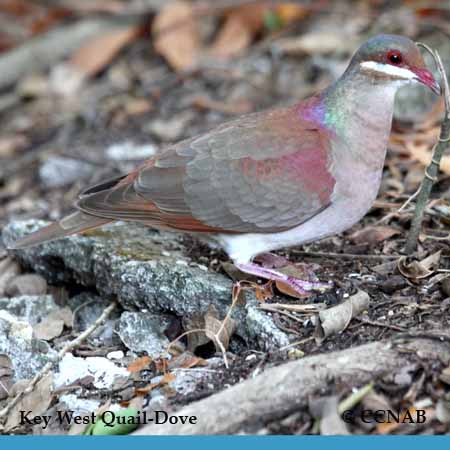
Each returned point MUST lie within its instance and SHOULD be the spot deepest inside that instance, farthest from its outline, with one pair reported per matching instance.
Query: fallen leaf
(139, 364)
(37, 401)
(186, 360)
(407, 417)
(218, 331)
(94, 56)
(336, 319)
(239, 29)
(373, 234)
(167, 378)
(326, 411)
(9, 269)
(176, 35)
(416, 270)
(316, 43)
(290, 12)
(27, 284)
(53, 325)
(422, 153)
(10, 144)
(6, 376)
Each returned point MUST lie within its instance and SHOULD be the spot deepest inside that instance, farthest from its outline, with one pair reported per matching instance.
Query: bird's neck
(360, 113)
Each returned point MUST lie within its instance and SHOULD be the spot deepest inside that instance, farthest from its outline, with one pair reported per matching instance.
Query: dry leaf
(53, 325)
(316, 43)
(6, 376)
(238, 31)
(186, 360)
(217, 330)
(27, 284)
(176, 35)
(9, 269)
(373, 235)
(167, 378)
(37, 401)
(94, 56)
(408, 417)
(336, 319)
(416, 270)
(422, 153)
(139, 364)
(290, 12)
(331, 423)
(12, 143)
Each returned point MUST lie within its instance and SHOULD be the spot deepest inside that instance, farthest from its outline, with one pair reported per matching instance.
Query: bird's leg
(303, 287)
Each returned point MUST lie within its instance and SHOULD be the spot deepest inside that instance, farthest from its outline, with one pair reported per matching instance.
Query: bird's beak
(425, 77)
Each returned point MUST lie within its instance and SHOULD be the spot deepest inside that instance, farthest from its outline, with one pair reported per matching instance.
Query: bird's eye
(395, 57)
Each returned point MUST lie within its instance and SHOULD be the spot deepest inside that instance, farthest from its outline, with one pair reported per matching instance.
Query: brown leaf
(139, 364)
(422, 153)
(416, 270)
(290, 12)
(94, 56)
(53, 325)
(9, 269)
(238, 30)
(11, 144)
(186, 360)
(217, 330)
(27, 284)
(336, 319)
(37, 401)
(176, 35)
(167, 378)
(6, 376)
(373, 235)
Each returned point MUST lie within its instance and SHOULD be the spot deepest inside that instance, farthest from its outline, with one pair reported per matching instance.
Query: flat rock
(28, 308)
(142, 331)
(147, 270)
(27, 354)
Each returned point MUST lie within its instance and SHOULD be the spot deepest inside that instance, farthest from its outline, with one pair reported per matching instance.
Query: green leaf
(123, 421)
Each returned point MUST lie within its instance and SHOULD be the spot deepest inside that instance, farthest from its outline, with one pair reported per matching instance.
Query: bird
(268, 180)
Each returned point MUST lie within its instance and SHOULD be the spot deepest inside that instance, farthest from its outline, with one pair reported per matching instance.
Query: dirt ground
(66, 123)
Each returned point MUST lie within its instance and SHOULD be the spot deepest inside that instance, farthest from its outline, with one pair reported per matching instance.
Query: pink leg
(300, 286)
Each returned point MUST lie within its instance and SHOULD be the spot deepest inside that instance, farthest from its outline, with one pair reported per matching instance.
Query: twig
(375, 323)
(432, 169)
(46, 369)
(354, 398)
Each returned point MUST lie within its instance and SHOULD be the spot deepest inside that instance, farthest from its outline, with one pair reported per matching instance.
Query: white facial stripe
(387, 69)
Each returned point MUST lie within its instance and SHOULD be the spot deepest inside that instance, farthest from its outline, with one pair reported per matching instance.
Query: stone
(27, 284)
(87, 308)
(31, 309)
(104, 372)
(144, 332)
(147, 270)
(60, 171)
(27, 355)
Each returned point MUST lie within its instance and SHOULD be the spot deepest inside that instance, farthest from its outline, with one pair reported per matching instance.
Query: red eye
(395, 57)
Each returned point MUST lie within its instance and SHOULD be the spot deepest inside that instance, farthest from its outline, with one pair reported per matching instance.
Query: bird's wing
(266, 172)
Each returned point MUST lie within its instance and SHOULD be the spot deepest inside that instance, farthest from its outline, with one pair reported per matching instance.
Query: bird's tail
(72, 224)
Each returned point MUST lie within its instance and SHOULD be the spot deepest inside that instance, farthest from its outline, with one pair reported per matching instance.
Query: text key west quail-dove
(271, 179)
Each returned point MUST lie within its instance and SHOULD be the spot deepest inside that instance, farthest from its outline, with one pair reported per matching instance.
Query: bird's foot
(302, 287)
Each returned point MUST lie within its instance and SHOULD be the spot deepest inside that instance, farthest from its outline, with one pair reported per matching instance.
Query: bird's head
(390, 58)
